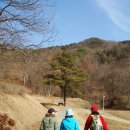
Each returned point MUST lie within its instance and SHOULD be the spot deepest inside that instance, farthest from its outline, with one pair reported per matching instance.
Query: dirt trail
(81, 116)
(106, 115)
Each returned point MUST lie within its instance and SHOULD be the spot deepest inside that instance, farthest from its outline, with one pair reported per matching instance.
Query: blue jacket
(69, 124)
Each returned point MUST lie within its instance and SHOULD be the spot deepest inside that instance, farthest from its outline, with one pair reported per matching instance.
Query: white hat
(69, 112)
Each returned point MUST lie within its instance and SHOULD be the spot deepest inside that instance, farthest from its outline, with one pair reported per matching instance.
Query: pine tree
(66, 73)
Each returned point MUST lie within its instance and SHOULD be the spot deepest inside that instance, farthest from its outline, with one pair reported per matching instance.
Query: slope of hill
(28, 112)
(24, 110)
(106, 63)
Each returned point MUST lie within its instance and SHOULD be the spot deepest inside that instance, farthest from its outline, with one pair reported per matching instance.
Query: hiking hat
(69, 112)
(51, 110)
(94, 108)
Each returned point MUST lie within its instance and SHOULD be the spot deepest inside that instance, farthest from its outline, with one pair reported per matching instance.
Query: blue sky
(77, 20)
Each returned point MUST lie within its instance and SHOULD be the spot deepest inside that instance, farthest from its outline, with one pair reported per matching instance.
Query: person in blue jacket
(69, 122)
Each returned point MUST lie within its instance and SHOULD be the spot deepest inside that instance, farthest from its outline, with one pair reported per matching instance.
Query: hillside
(27, 111)
(106, 63)
(24, 110)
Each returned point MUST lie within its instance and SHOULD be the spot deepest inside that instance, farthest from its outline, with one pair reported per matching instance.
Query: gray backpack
(96, 123)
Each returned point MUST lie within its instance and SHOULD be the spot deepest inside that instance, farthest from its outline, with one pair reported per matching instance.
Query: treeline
(90, 69)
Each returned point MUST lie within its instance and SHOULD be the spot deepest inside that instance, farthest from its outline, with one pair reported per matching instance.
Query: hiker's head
(69, 113)
(94, 108)
(52, 111)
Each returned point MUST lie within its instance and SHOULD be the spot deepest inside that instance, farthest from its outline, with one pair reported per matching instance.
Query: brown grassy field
(115, 125)
(124, 115)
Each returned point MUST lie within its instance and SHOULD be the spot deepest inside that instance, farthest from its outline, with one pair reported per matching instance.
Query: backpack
(96, 123)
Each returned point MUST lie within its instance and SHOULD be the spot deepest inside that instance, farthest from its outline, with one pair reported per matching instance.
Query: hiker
(69, 122)
(95, 121)
(49, 121)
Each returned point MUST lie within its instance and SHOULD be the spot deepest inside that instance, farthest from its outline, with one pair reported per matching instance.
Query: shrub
(6, 123)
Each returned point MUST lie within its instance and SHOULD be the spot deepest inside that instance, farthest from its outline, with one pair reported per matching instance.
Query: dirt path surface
(81, 116)
(106, 115)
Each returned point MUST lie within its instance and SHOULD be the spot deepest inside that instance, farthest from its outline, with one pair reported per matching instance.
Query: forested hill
(90, 69)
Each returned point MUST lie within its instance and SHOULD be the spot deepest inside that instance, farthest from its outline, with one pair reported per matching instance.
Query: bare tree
(21, 20)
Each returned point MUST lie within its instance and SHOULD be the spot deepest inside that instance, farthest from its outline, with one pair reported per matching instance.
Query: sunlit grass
(115, 125)
(121, 114)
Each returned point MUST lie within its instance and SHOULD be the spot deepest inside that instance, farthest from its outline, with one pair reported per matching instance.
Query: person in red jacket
(89, 122)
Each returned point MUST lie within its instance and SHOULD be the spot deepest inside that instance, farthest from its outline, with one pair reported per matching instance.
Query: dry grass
(13, 89)
(24, 110)
(122, 114)
(78, 103)
(35, 126)
(115, 125)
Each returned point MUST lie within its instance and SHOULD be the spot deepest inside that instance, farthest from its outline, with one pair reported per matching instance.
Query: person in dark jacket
(49, 121)
(69, 122)
(89, 122)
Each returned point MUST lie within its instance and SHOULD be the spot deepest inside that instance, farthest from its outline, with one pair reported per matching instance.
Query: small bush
(6, 123)
(11, 122)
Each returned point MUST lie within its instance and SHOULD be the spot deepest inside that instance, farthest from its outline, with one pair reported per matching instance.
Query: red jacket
(89, 121)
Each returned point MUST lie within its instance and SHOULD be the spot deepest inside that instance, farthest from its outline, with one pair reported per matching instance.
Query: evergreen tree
(66, 73)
